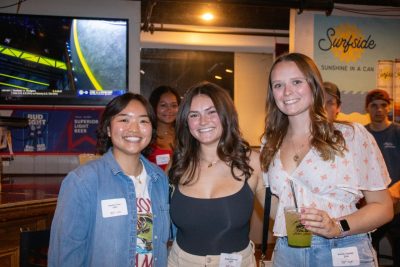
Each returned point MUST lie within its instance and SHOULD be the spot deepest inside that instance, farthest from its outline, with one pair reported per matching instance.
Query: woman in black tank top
(215, 176)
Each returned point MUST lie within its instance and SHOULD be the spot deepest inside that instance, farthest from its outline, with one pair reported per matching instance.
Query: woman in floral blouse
(331, 165)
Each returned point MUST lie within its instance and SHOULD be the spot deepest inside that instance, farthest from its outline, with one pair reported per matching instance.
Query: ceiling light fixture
(207, 16)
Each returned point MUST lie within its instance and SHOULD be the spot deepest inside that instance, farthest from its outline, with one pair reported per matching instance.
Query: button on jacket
(81, 236)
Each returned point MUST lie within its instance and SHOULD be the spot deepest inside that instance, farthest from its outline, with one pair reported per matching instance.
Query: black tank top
(212, 226)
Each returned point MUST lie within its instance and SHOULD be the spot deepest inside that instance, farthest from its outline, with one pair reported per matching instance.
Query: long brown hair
(232, 148)
(325, 138)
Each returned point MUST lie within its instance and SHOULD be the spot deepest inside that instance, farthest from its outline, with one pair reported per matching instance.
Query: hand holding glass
(298, 235)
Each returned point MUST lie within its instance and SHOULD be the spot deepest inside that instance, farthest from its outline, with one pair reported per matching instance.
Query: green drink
(298, 235)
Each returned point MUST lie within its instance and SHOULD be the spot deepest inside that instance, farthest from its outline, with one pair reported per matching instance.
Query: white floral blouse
(333, 186)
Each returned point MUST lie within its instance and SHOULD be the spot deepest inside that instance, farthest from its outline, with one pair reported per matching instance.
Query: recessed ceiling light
(207, 16)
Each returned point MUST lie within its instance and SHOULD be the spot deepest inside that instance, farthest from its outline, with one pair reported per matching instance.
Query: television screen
(53, 60)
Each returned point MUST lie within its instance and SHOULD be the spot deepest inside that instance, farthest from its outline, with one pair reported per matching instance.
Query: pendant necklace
(161, 134)
(212, 163)
(297, 152)
(138, 178)
(296, 158)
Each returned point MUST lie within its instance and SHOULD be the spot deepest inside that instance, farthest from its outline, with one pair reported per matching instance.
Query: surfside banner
(348, 51)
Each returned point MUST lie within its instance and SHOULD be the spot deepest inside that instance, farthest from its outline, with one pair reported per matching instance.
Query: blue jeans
(319, 254)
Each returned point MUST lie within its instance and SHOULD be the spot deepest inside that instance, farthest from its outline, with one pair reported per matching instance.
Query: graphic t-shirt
(144, 228)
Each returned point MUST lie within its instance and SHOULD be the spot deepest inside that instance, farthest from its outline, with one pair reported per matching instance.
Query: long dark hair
(114, 107)
(232, 148)
(328, 141)
(156, 94)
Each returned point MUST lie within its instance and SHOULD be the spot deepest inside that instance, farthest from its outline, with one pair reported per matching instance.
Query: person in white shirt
(331, 166)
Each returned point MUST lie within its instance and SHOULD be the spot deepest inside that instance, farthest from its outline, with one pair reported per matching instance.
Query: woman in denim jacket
(114, 211)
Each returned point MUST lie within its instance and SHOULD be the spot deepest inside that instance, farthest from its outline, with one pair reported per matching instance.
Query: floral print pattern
(336, 186)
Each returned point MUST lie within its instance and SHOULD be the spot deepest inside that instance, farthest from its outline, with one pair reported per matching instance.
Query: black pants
(392, 231)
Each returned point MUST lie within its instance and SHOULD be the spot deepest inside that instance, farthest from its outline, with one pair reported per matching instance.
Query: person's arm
(394, 191)
(70, 226)
(377, 211)
(256, 181)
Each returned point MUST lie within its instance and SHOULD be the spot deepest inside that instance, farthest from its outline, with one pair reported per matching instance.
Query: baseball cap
(377, 94)
(333, 90)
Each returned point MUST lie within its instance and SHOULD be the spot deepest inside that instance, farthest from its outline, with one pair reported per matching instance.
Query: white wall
(95, 8)
(251, 77)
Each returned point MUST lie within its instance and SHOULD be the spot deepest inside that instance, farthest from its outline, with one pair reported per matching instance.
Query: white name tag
(345, 256)
(162, 159)
(114, 207)
(230, 260)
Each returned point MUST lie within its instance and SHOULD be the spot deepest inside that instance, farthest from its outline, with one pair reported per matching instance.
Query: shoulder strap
(267, 210)
(172, 229)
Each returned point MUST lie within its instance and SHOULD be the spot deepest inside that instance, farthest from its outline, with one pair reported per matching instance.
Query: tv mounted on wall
(57, 60)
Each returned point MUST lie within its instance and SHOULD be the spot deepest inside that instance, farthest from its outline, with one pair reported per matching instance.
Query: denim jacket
(81, 236)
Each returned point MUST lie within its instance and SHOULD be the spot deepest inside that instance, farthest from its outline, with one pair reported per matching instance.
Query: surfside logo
(346, 42)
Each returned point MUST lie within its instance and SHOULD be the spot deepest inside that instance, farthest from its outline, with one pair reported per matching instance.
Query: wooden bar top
(9, 199)
(17, 210)
(26, 203)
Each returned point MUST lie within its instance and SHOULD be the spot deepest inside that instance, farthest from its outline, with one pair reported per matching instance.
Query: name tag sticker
(114, 207)
(162, 159)
(230, 260)
(345, 256)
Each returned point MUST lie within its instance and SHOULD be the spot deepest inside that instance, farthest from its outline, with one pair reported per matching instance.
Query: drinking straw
(294, 195)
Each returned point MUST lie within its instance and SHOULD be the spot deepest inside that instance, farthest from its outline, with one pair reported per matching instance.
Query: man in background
(387, 136)
(332, 100)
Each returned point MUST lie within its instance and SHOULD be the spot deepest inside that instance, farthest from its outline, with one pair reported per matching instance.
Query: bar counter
(23, 207)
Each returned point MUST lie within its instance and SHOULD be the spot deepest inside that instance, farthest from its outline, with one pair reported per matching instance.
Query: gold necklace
(297, 152)
(137, 178)
(211, 163)
(165, 134)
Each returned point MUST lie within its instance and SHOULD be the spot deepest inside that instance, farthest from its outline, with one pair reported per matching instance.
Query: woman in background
(332, 166)
(216, 176)
(165, 102)
(114, 211)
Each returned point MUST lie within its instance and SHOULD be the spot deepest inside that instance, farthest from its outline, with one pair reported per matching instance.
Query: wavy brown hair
(325, 138)
(232, 148)
(114, 107)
